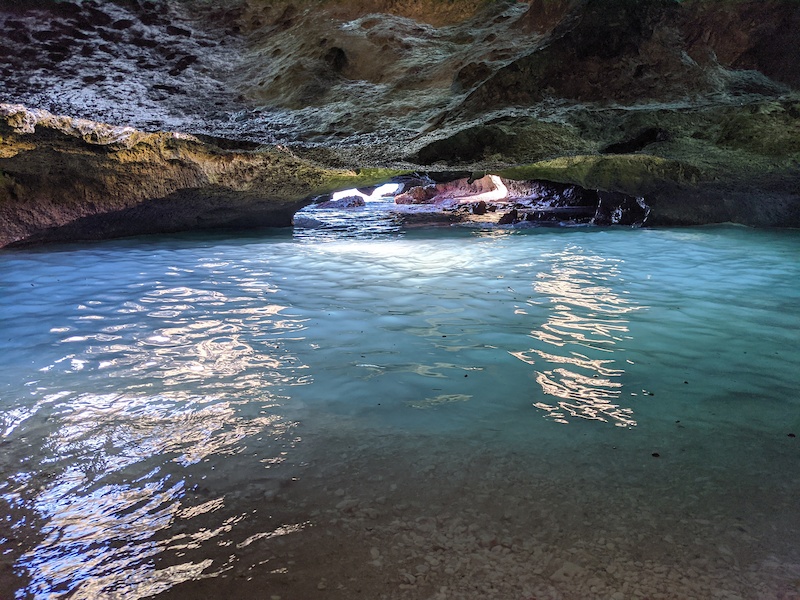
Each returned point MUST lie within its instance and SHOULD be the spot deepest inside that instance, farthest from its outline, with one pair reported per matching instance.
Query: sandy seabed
(412, 516)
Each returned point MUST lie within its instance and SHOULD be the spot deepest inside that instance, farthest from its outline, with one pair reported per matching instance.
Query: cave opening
(482, 201)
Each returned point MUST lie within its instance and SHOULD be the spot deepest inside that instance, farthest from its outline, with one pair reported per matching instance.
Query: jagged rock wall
(692, 103)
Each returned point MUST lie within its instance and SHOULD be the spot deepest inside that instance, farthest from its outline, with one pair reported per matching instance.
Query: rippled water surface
(546, 413)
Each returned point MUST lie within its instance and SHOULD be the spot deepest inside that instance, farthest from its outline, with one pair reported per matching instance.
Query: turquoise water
(549, 413)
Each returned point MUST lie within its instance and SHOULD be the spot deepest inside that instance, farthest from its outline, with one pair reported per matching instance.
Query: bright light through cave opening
(380, 193)
(483, 202)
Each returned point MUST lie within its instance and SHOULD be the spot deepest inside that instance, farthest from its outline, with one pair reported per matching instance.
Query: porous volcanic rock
(692, 104)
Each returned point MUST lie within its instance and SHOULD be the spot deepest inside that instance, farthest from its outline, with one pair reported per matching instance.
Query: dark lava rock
(615, 208)
(509, 218)
(479, 208)
(552, 194)
(567, 214)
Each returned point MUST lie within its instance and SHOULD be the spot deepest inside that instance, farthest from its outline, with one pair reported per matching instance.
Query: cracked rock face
(693, 105)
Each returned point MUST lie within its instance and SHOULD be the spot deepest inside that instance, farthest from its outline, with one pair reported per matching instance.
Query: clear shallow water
(567, 413)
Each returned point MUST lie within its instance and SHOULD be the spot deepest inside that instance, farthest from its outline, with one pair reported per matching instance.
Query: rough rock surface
(70, 179)
(693, 105)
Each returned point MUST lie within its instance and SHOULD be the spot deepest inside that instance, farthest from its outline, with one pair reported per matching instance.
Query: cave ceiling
(706, 89)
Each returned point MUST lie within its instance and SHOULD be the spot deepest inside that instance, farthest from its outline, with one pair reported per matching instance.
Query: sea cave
(399, 299)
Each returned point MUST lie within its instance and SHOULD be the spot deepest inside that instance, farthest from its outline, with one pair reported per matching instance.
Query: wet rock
(509, 218)
(551, 194)
(417, 195)
(479, 208)
(116, 181)
(615, 208)
(570, 214)
(403, 199)
(346, 202)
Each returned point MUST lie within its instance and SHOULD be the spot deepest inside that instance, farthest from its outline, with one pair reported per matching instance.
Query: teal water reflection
(157, 399)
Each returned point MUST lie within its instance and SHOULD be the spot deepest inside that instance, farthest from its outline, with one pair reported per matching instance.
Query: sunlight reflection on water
(153, 401)
(588, 314)
(105, 497)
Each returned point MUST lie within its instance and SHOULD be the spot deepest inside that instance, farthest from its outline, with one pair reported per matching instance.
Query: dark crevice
(644, 138)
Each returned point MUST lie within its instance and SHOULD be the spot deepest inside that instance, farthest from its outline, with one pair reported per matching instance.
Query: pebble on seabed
(438, 553)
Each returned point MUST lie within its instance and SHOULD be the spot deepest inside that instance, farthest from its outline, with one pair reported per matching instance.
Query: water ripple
(100, 526)
(142, 383)
(152, 401)
(587, 313)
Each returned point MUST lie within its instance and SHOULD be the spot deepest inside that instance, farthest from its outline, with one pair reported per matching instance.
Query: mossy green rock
(633, 174)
